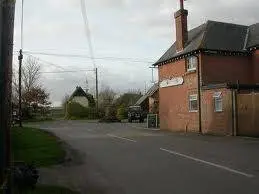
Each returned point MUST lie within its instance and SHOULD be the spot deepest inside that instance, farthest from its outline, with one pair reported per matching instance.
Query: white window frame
(217, 98)
(192, 63)
(193, 97)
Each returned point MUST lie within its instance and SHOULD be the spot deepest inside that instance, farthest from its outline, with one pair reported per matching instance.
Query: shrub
(121, 112)
(77, 111)
(109, 114)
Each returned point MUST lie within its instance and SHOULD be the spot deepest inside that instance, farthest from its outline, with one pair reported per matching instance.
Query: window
(191, 63)
(193, 103)
(218, 102)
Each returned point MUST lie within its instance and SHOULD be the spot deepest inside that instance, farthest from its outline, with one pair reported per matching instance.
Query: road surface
(123, 158)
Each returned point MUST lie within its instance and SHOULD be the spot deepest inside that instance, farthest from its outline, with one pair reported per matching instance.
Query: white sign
(217, 94)
(171, 82)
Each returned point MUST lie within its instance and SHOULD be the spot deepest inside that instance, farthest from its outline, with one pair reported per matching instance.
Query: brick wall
(222, 69)
(216, 122)
(174, 101)
(256, 66)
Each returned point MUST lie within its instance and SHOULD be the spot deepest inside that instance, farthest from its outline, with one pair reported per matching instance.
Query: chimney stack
(181, 27)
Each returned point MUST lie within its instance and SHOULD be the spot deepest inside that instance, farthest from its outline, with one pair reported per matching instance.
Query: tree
(35, 98)
(30, 77)
(128, 99)
(106, 97)
(31, 74)
(107, 110)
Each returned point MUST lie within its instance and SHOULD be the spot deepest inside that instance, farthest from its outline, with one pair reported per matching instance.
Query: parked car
(136, 113)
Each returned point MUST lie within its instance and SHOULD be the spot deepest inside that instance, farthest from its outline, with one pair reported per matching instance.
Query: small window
(193, 103)
(218, 102)
(191, 63)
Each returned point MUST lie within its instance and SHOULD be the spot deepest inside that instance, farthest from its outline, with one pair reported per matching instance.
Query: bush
(109, 114)
(121, 112)
(77, 111)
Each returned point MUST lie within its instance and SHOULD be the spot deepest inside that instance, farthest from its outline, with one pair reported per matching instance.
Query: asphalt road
(125, 158)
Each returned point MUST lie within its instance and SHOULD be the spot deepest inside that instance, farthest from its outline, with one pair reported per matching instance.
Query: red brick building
(209, 78)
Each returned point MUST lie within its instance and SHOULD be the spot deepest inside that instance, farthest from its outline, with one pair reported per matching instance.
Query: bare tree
(33, 94)
(31, 73)
(106, 96)
(134, 91)
(30, 77)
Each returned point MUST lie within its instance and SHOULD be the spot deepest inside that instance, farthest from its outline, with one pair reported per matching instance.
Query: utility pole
(20, 58)
(7, 12)
(96, 89)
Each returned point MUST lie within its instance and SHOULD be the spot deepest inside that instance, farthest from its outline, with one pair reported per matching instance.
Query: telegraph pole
(20, 58)
(7, 12)
(96, 89)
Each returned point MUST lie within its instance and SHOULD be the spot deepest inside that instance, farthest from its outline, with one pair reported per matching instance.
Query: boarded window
(193, 103)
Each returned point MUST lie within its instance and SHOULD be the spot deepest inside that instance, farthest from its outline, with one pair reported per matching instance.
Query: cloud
(119, 28)
(91, 4)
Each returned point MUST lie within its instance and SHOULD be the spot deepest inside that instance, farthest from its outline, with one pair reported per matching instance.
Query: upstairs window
(192, 63)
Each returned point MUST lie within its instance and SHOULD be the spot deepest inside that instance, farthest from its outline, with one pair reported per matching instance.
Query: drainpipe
(234, 113)
(199, 93)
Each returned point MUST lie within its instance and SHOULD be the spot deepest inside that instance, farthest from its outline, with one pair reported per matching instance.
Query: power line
(46, 62)
(58, 66)
(87, 31)
(72, 71)
(135, 60)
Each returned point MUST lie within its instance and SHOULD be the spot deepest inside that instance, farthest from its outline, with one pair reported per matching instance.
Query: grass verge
(35, 146)
(40, 148)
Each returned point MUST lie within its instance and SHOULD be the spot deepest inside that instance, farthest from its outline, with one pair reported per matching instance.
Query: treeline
(111, 106)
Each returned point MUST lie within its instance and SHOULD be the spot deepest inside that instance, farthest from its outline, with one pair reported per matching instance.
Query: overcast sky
(137, 29)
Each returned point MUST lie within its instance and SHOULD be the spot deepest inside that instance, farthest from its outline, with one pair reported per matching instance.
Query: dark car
(136, 113)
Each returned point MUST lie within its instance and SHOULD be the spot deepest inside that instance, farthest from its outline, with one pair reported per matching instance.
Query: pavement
(127, 158)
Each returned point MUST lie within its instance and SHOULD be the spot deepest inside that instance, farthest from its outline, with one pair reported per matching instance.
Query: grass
(38, 147)
(50, 190)
(35, 146)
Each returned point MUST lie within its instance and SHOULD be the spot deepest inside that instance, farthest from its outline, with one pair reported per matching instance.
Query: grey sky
(120, 28)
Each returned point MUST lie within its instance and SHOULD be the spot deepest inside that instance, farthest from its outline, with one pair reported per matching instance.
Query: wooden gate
(248, 114)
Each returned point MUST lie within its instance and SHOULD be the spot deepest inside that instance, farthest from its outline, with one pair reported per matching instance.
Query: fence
(248, 114)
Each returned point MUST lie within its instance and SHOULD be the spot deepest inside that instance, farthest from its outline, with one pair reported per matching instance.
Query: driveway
(123, 158)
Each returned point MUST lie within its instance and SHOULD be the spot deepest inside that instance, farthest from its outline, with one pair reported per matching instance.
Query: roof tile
(215, 35)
